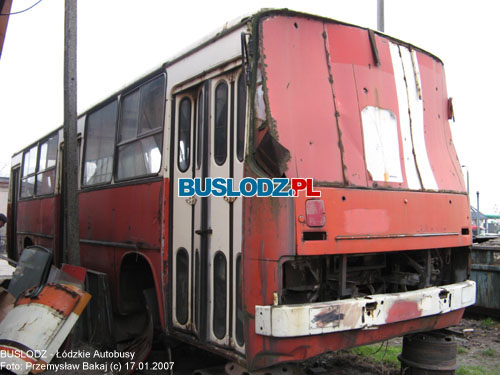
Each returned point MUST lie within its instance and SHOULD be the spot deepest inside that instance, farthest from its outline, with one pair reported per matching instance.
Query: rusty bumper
(363, 312)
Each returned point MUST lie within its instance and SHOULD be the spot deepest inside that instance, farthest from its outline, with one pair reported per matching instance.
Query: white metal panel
(416, 107)
(218, 212)
(237, 216)
(37, 327)
(199, 147)
(31, 324)
(362, 312)
(381, 142)
(182, 217)
(215, 54)
(412, 177)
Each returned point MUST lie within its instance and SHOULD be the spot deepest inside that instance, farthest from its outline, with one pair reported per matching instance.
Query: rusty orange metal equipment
(33, 331)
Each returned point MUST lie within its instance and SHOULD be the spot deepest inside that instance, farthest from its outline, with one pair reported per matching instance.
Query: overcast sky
(119, 40)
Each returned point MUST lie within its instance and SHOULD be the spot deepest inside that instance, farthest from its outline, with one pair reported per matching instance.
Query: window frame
(85, 143)
(191, 119)
(49, 169)
(241, 117)
(221, 162)
(37, 170)
(139, 136)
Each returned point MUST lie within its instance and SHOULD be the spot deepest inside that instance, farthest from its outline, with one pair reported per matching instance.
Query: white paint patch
(404, 120)
(417, 119)
(380, 133)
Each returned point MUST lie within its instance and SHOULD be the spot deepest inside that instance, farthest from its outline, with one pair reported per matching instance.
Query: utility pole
(71, 248)
(380, 15)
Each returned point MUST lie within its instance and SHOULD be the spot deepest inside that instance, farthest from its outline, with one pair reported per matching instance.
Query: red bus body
(277, 94)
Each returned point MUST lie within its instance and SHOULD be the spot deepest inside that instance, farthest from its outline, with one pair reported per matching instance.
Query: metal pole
(477, 217)
(70, 157)
(380, 15)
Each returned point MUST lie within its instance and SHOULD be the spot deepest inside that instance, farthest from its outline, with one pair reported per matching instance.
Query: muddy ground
(478, 353)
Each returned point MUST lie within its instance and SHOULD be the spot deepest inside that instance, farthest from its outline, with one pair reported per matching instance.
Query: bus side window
(241, 117)
(29, 169)
(99, 145)
(184, 149)
(46, 171)
(140, 134)
(220, 130)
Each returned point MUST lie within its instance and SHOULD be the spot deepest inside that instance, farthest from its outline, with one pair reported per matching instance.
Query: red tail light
(315, 213)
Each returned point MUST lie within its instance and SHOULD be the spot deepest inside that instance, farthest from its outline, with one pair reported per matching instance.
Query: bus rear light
(315, 213)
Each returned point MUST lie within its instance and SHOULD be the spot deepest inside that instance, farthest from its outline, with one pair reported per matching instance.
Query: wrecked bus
(383, 252)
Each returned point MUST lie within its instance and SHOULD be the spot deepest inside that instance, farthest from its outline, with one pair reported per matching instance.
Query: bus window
(241, 117)
(100, 145)
(140, 135)
(199, 133)
(220, 130)
(184, 134)
(46, 171)
(29, 168)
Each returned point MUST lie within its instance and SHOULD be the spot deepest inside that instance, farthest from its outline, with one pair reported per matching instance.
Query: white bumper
(363, 312)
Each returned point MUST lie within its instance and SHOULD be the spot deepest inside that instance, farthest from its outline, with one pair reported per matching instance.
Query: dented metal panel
(361, 313)
(300, 97)
(366, 221)
(309, 113)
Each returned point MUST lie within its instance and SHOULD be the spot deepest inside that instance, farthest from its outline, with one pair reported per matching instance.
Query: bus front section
(385, 250)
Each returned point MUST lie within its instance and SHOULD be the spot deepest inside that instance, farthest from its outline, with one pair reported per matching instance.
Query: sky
(120, 40)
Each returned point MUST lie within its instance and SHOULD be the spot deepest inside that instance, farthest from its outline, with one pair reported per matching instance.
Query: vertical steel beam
(71, 232)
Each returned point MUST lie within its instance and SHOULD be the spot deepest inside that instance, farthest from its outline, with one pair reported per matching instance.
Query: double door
(208, 141)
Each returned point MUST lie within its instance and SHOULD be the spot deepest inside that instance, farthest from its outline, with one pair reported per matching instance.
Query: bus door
(203, 255)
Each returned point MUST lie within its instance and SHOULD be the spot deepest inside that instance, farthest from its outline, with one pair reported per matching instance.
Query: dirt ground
(478, 353)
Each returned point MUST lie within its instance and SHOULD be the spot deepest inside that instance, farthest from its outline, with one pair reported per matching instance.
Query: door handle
(201, 232)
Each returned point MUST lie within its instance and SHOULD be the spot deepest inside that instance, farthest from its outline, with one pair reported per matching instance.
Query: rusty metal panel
(38, 215)
(300, 97)
(267, 351)
(374, 220)
(363, 312)
(486, 273)
(360, 83)
(105, 217)
(440, 149)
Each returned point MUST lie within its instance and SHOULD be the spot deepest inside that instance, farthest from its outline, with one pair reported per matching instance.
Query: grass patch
(475, 370)
(386, 355)
(488, 353)
(462, 350)
(489, 323)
